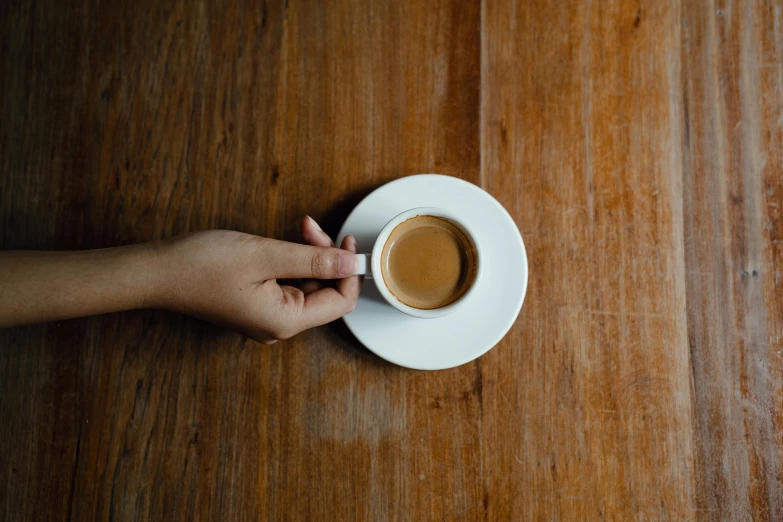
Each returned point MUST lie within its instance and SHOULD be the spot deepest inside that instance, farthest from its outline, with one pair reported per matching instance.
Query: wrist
(159, 282)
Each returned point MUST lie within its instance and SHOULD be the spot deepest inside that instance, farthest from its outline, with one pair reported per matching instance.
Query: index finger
(283, 260)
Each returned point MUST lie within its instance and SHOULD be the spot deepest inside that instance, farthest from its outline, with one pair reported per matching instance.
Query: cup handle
(365, 265)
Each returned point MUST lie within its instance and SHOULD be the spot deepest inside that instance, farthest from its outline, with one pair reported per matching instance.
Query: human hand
(231, 279)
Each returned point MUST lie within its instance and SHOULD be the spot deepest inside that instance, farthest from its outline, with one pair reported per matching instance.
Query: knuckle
(281, 332)
(323, 264)
(281, 335)
(294, 298)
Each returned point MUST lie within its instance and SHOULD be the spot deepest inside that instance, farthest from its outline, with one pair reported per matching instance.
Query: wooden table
(637, 144)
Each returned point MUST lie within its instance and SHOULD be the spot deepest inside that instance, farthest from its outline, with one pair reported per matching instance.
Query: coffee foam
(428, 262)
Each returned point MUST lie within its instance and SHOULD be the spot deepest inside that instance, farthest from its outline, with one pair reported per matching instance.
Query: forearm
(227, 277)
(47, 286)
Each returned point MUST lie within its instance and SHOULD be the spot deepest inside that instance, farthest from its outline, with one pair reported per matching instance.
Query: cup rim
(380, 242)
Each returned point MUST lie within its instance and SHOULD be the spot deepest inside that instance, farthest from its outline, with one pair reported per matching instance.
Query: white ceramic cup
(370, 264)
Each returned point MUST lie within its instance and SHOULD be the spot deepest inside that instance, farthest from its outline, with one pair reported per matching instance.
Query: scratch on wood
(587, 115)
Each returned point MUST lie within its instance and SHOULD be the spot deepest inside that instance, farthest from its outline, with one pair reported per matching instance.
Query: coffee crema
(428, 262)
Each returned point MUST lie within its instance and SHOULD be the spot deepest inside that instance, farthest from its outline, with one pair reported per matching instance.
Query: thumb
(291, 260)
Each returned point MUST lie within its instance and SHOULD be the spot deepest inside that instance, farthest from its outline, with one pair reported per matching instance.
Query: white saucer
(489, 313)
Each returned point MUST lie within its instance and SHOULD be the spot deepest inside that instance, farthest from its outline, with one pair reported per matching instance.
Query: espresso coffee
(428, 262)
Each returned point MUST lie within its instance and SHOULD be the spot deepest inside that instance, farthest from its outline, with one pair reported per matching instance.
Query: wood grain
(733, 76)
(637, 144)
(587, 403)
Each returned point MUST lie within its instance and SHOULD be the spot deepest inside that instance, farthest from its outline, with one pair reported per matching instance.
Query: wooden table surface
(638, 144)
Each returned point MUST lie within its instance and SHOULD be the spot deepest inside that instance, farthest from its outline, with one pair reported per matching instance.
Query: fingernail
(348, 264)
(315, 223)
(353, 246)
